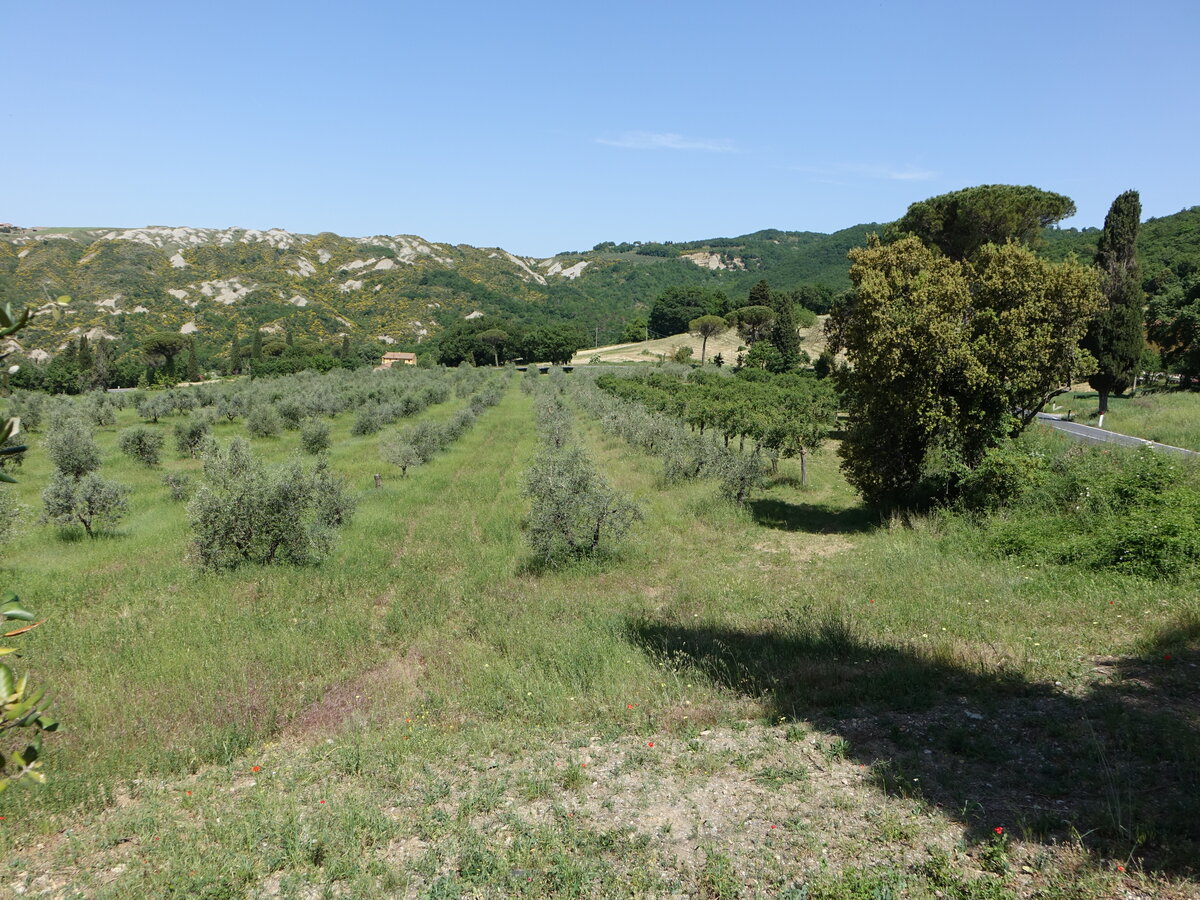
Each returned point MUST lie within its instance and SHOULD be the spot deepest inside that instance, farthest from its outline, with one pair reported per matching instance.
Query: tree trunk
(703, 347)
(803, 467)
(1103, 401)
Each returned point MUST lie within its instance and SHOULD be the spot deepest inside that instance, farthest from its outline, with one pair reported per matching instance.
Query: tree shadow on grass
(812, 518)
(1118, 767)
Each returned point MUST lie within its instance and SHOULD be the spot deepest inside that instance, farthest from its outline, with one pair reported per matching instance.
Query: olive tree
(90, 501)
(141, 443)
(245, 512)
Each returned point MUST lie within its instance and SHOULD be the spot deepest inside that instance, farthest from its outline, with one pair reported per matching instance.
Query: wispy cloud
(650, 140)
(869, 170)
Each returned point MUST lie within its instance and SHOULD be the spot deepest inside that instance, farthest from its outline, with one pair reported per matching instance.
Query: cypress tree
(99, 373)
(785, 332)
(84, 357)
(256, 346)
(760, 294)
(235, 355)
(345, 354)
(289, 339)
(193, 364)
(1117, 335)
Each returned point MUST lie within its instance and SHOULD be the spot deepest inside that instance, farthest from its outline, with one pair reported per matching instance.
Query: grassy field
(790, 699)
(1170, 417)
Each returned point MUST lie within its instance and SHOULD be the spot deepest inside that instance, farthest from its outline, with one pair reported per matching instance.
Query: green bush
(245, 512)
(141, 443)
(369, 420)
(573, 510)
(400, 452)
(191, 433)
(314, 436)
(179, 486)
(263, 422)
(71, 448)
(1006, 474)
(1133, 512)
(90, 501)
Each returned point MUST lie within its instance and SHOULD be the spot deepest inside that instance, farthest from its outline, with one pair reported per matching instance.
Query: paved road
(1091, 435)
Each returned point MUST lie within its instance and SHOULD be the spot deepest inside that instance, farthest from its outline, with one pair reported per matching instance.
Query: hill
(400, 290)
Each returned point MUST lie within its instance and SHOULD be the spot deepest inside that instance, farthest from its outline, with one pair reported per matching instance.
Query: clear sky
(542, 127)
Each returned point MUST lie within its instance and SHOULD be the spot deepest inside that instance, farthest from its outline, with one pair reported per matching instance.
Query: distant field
(1169, 417)
(740, 702)
(727, 344)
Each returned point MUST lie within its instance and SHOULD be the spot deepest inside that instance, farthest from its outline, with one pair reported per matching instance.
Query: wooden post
(378, 481)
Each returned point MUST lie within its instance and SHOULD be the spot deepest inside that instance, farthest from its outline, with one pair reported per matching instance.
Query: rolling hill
(123, 284)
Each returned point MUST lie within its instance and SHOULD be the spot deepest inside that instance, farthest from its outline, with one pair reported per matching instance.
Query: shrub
(99, 410)
(230, 407)
(573, 511)
(141, 443)
(247, 513)
(29, 407)
(71, 448)
(1004, 475)
(369, 420)
(90, 501)
(154, 407)
(333, 503)
(400, 452)
(314, 436)
(739, 473)
(291, 412)
(191, 433)
(179, 486)
(263, 422)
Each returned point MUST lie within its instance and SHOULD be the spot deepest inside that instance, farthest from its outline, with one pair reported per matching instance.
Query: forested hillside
(399, 291)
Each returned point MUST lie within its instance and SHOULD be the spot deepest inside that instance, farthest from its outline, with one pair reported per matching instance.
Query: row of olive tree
(686, 453)
(573, 511)
(417, 444)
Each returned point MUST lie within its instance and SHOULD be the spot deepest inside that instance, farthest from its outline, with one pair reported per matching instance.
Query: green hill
(400, 290)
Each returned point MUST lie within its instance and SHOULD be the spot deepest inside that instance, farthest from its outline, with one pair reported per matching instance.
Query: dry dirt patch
(377, 695)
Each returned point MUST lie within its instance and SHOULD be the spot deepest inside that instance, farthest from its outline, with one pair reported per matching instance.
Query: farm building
(390, 359)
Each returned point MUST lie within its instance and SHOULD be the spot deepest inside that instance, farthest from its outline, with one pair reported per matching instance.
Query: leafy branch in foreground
(23, 706)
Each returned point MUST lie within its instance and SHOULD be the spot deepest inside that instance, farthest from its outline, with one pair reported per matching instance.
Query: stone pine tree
(706, 327)
(785, 331)
(1117, 335)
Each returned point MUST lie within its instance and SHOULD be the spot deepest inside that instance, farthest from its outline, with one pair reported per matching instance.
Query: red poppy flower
(650, 743)
(1167, 657)
(256, 768)
(998, 830)
(1120, 868)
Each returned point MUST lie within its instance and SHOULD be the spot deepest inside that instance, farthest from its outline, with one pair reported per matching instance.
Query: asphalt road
(1091, 435)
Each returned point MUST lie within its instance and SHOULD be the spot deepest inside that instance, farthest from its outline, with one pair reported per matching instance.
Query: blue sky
(542, 127)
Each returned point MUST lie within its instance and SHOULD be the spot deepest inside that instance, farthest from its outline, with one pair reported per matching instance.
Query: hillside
(400, 290)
